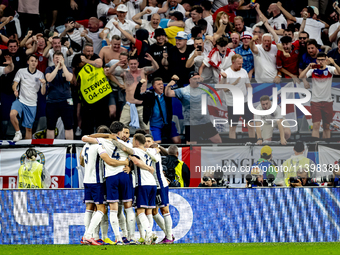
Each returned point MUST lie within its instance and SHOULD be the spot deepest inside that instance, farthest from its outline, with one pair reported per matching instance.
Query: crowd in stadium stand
(69, 66)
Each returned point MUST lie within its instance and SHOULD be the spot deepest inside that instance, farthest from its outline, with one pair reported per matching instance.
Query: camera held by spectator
(302, 179)
(208, 182)
(256, 179)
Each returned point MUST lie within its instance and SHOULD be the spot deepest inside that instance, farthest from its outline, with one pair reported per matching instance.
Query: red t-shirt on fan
(290, 64)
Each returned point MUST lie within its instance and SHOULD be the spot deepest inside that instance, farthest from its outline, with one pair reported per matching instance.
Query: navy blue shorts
(157, 132)
(162, 197)
(56, 110)
(119, 187)
(94, 193)
(146, 196)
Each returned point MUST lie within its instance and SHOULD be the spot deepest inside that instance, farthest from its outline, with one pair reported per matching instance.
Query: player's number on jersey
(115, 155)
(86, 155)
(148, 160)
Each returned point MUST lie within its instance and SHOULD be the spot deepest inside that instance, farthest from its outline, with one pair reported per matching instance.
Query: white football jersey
(114, 153)
(158, 174)
(93, 169)
(143, 177)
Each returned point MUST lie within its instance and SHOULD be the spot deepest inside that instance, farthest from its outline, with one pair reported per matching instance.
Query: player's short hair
(103, 129)
(264, 98)
(312, 41)
(197, 8)
(124, 54)
(203, 24)
(240, 18)
(88, 45)
(115, 37)
(149, 136)
(222, 41)
(156, 79)
(140, 138)
(140, 131)
(13, 41)
(236, 56)
(58, 53)
(116, 127)
(267, 34)
(304, 32)
(321, 55)
(173, 150)
(32, 55)
(196, 30)
(126, 127)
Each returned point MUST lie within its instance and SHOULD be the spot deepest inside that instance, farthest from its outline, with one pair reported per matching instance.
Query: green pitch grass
(248, 248)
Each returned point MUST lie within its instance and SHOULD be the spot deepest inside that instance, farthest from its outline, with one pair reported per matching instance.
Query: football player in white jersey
(145, 185)
(94, 188)
(162, 197)
(118, 182)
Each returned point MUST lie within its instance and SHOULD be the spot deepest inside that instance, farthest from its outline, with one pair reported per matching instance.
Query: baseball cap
(299, 146)
(182, 35)
(266, 149)
(246, 34)
(122, 8)
(192, 74)
(178, 15)
(159, 32)
(316, 10)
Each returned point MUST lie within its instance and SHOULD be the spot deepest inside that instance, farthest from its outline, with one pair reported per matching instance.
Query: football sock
(160, 222)
(150, 219)
(168, 225)
(145, 224)
(97, 217)
(122, 223)
(104, 226)
(131, 222)
(87, 219)
(115, 224)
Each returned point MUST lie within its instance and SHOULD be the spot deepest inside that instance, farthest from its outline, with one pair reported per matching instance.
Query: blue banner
(199, 216)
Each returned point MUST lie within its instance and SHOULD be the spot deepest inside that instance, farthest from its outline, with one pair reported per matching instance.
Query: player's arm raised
(88, 139)
(139, 163)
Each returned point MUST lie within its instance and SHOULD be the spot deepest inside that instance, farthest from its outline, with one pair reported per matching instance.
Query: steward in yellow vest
(32, 174)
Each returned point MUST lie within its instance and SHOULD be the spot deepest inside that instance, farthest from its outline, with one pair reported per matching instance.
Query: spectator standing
(197, 56)
(59, 98)
(174, 25)
(206, 6)
(158, 109)
(289, 66)
(310, 55)
(238, 77)
(218, 59)
(313, 27)
(235, 41)
(19, 60)
(26, 84)
(174, 5)
(246, 53)
(321, 102)
(196, 14)
(56, 46)
(107, 9)
(265, 132)
(150, 26)
(156, 51)
(177, 57)
(29, 16)
(196, 125)
(93, 34)
(239, 25)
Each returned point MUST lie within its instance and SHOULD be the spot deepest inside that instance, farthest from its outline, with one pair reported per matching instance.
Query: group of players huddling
(129, 176)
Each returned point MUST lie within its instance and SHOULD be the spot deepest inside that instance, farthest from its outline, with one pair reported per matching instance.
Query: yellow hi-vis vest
(178, 171)
(94, 85)
(30, 179)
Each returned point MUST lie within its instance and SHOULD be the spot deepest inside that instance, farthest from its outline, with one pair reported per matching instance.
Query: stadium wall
(199, 215)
